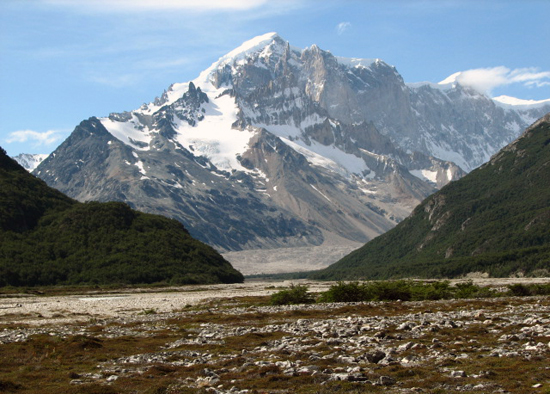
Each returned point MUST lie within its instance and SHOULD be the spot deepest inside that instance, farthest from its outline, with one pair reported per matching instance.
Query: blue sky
(63, 61)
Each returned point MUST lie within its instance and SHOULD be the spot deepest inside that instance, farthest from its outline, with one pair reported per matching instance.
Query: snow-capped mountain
(464, 126)
(30, 161)
(275, 146)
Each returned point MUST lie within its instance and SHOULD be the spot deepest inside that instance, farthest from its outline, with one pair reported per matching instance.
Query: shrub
(430, 291)
(469, 290)
(466, 289)
(519, 290)
(392, 290)
(346, 292)
(296, 294)
(523, 290)
(541, 289)
(404, 290)
(408, 290)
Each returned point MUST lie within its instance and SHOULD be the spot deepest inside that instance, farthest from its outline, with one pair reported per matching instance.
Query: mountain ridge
(209, 152)
(29, 161)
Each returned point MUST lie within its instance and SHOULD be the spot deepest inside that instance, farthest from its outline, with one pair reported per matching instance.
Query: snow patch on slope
(436, 86)
(321, 193)
(131, 132)
(447, 154)
(214, 137)
(292, 130)
(329, 157)
(425, 175)
(356, 62)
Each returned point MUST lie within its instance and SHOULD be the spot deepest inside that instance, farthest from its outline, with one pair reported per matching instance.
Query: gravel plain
(203, 339)
(33, 309)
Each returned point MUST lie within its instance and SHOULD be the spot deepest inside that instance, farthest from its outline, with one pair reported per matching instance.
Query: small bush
(432, 291)
(523, 290)
(373, 291)
(296, 294)
(391, 290)
(150, 311)
(469, 290)
(519, 290)
(346, 292)
(541, 289)
(466, 290)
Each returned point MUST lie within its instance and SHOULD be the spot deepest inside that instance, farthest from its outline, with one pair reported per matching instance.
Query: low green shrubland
(523, 290)
(404, 290)
(296, 294)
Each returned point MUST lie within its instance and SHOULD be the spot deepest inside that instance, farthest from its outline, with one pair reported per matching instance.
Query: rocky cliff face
(274, 146)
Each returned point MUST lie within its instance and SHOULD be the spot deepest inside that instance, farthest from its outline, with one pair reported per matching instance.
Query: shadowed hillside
(46, 238)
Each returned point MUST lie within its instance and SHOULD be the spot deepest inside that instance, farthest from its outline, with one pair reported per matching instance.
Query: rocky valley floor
(226, 339)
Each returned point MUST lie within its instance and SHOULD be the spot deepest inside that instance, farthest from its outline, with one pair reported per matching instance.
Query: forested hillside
(47, 238)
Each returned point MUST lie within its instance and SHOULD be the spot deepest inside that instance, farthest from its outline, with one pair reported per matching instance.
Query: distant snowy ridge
(515, 102)
(504, 101)
(29, 161)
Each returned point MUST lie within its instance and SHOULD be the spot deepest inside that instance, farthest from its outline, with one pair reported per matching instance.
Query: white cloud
(45, 138)
(114, 79)
(485, 80)
(161, 5)
(342, 27)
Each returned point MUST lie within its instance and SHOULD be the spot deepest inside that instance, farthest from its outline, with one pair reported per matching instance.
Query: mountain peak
(254, 45)
(451, 79)
(269, 130)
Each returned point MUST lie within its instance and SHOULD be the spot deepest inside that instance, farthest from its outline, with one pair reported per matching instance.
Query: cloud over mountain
(342, 27)
(485, 80)
(38, 138)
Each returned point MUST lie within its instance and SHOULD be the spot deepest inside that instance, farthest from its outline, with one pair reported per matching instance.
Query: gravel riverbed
(33, 309)
(203, 339)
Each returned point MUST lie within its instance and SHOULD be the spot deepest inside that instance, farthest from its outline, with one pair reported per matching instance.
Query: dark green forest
(46, 238)
(495, 220)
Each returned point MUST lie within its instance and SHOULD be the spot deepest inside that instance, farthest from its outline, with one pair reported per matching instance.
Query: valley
(275, 147)
(192, 203)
